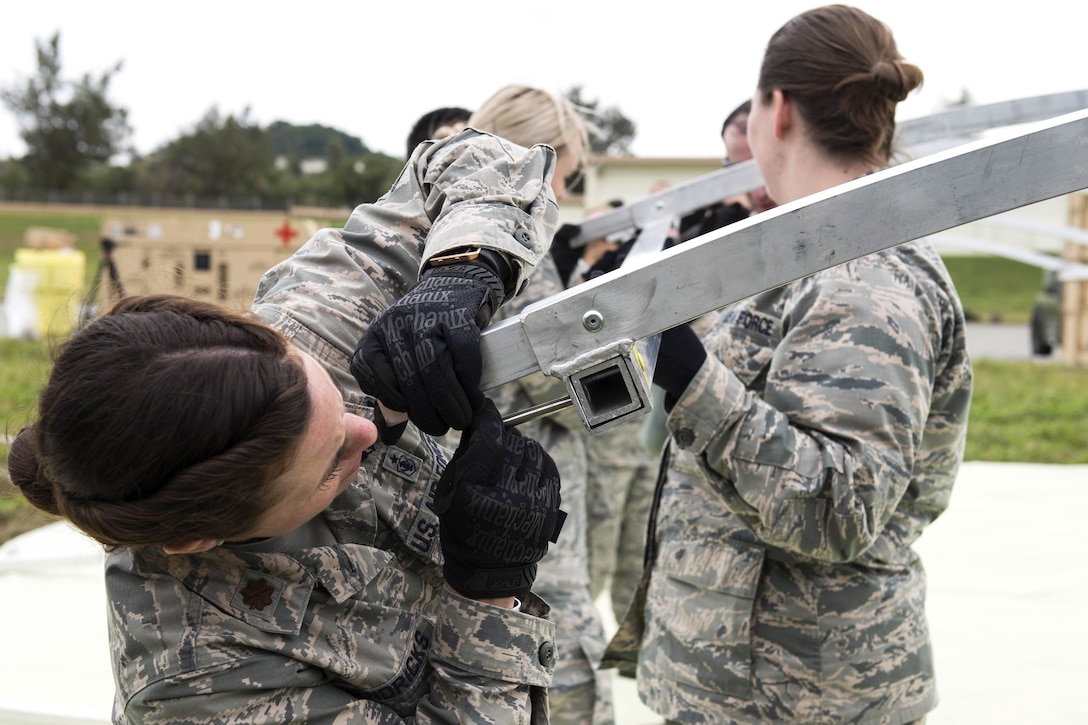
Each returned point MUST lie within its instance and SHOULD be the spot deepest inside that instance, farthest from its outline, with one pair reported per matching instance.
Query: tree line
(74, 135)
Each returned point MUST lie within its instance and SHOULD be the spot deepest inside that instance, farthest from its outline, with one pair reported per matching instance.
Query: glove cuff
(678, 360)
(482, 275)
(480, 583)
(497, 262)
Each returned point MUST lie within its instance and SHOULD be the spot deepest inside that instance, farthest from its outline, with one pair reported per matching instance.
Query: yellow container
(56, 278)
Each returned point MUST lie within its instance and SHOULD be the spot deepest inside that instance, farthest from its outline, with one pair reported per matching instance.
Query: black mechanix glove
(421, 356)
(679, 358)
(498, 508)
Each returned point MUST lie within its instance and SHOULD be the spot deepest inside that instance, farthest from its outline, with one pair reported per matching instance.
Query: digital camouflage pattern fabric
(347, 619)
(818, 440)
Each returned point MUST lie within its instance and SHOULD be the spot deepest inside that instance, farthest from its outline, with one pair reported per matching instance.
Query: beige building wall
(629, 179)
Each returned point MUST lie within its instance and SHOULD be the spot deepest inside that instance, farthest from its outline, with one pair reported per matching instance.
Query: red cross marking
(286, 233)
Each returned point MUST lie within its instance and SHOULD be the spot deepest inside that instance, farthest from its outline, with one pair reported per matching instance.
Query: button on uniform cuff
(546, 654)
(710, 402)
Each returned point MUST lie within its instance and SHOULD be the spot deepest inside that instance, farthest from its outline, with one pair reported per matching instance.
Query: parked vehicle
(1046, 315)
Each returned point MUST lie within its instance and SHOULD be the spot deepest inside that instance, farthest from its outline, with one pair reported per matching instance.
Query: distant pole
(1074, 344)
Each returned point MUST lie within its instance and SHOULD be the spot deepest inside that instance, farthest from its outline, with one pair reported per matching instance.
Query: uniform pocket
(699, 616)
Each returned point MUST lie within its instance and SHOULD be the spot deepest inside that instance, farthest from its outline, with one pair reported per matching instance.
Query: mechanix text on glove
(422, 354)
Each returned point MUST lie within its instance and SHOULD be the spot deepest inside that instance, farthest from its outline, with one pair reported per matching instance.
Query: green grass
(1028, 412)
(995, 289)
(24, 365)
(23, 369)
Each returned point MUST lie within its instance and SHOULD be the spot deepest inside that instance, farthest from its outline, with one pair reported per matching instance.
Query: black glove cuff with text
(680, 357)
(483, 275)
(421, 355)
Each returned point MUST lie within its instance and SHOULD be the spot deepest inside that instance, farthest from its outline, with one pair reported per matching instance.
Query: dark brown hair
(164, 421)
(841, 69)
(436, 124)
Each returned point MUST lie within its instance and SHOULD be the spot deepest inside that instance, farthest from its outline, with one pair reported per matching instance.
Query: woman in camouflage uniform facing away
(816, 430)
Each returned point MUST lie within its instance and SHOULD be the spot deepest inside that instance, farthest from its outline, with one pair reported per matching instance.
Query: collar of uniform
(344, 570)
(269, 591)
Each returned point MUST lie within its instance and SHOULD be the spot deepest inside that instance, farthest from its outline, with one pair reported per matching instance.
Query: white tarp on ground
(1008, 580)
(20, 314)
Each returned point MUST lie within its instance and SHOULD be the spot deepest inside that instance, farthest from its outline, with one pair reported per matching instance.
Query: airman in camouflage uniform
(820, 436)
(346, 619)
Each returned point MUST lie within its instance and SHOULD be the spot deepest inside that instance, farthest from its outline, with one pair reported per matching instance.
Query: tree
(221, 157)
(67, 126)
(378, 173)
(310, 141)
(611, 132)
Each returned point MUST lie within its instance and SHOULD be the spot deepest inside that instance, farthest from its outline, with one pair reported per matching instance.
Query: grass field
(995, 289)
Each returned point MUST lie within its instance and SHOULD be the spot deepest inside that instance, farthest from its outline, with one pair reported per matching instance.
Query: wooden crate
(46, 238)
(211, 256)
(1074, 347)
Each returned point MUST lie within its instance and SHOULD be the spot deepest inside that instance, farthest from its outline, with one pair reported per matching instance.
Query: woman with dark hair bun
(816, 430)
(270, 559)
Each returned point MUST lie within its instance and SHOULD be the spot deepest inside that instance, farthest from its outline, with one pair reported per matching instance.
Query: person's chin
(349, 478)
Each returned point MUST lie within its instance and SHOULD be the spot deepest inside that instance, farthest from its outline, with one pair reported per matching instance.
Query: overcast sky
(370, 68)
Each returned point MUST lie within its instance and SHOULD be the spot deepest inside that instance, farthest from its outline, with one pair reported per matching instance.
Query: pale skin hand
(597, 249)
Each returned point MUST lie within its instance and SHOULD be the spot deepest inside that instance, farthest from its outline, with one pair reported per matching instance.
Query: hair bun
(25, 471)
(22, 461)
(893, 78)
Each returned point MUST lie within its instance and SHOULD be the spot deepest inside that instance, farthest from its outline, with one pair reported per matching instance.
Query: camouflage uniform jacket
(346, 619)
(820, 437)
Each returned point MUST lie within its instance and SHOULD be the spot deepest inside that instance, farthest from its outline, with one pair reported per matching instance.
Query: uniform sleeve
(819, 462)
(482, 190)
(471, 189)
(491, 665)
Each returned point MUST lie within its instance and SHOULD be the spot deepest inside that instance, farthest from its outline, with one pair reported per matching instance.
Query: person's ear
(194, 546)
(783, 113)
